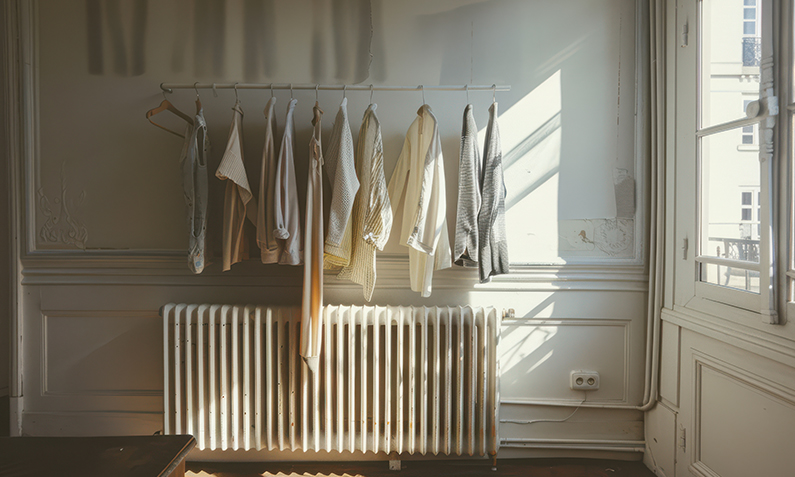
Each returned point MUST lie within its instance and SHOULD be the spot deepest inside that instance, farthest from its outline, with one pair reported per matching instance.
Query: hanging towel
(418, 184)
(287, 226)
(465, 251)
(493, 241)
(341, 171)
(372, 211)
(194, 185)
(237, 194)
(312, 304)
(270, 248)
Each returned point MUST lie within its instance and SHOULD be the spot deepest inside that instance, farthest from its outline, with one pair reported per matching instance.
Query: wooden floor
(505, 468)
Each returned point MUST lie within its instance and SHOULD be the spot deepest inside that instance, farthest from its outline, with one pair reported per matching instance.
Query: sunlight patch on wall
(531, 144)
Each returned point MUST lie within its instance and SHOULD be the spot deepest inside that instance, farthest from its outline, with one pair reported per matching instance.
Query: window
(727, 218)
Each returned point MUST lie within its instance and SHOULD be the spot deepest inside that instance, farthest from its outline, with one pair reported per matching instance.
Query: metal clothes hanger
(422, 87)
(371, 93)
(467, 89)
(494, 93)
(167, 106)
(198, 99)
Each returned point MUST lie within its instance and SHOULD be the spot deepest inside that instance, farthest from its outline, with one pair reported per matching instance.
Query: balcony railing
(752, 51)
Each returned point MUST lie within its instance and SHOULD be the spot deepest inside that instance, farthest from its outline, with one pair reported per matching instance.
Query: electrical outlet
(584, 380)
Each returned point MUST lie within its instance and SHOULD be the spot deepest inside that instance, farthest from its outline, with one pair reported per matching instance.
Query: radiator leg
(394, 462)
(494, 462)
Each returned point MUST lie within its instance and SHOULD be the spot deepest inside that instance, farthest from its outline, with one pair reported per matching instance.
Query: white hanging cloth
(341, 171)
(418, 184)
(270, 248)
(287, 227)
(312, 302)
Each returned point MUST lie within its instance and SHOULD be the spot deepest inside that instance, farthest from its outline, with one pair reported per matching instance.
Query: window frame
(689, 290)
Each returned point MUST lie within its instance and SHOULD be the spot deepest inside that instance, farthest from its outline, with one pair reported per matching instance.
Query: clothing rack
(169, 87)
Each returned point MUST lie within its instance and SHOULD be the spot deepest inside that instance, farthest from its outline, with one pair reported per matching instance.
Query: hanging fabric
(194, 185)
(312, 303)
(418, 185)
(372, 211)
(493, 242)
(287, 227)
(465, 251)
(270, 248)
(237, 194)
(341, 171)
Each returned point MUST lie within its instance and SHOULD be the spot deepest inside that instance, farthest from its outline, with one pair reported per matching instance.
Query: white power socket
(584, 380)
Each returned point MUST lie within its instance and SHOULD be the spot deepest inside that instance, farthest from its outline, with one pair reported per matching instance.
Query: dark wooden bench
(128, 456)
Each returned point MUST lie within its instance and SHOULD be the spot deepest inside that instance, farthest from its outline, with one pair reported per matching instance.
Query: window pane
(748, 129)
(750, 2)
(729, 60)
(731, 277)
(749, 13)
(748, 139)
(727, 174)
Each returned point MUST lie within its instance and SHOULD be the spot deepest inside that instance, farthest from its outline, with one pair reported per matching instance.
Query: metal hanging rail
(169, 87)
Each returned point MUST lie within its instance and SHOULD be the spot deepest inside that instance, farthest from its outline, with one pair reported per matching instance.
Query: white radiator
(391, 379)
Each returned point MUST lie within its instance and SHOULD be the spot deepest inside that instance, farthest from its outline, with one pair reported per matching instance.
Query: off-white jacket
(417, 184)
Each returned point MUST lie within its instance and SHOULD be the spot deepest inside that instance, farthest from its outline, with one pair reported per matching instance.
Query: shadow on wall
(343, 30)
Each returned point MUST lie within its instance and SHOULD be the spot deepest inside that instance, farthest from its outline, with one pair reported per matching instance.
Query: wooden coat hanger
(167, 106)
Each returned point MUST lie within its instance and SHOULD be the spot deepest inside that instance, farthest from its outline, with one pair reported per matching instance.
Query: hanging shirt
(194, 185)
(312, 303)
(418, 184)
(465, 251)
(237, 194)
(287, 226)
(270, 248)
(341, 171)
(372, 211)
(493, 242)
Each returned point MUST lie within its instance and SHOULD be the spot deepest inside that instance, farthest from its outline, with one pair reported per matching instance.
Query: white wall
(92, 342)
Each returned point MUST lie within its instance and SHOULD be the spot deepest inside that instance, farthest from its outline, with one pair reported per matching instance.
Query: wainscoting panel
(737, 414)
(534, 351)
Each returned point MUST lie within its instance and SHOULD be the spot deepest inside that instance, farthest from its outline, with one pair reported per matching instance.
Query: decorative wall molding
(44, 363)
(770, 345)
(702, 363)
(60, 226)
(535, 322)
(169, 268)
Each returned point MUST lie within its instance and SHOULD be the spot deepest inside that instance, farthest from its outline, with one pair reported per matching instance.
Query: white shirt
(417, 183)
(270, 248)
(287, 227)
